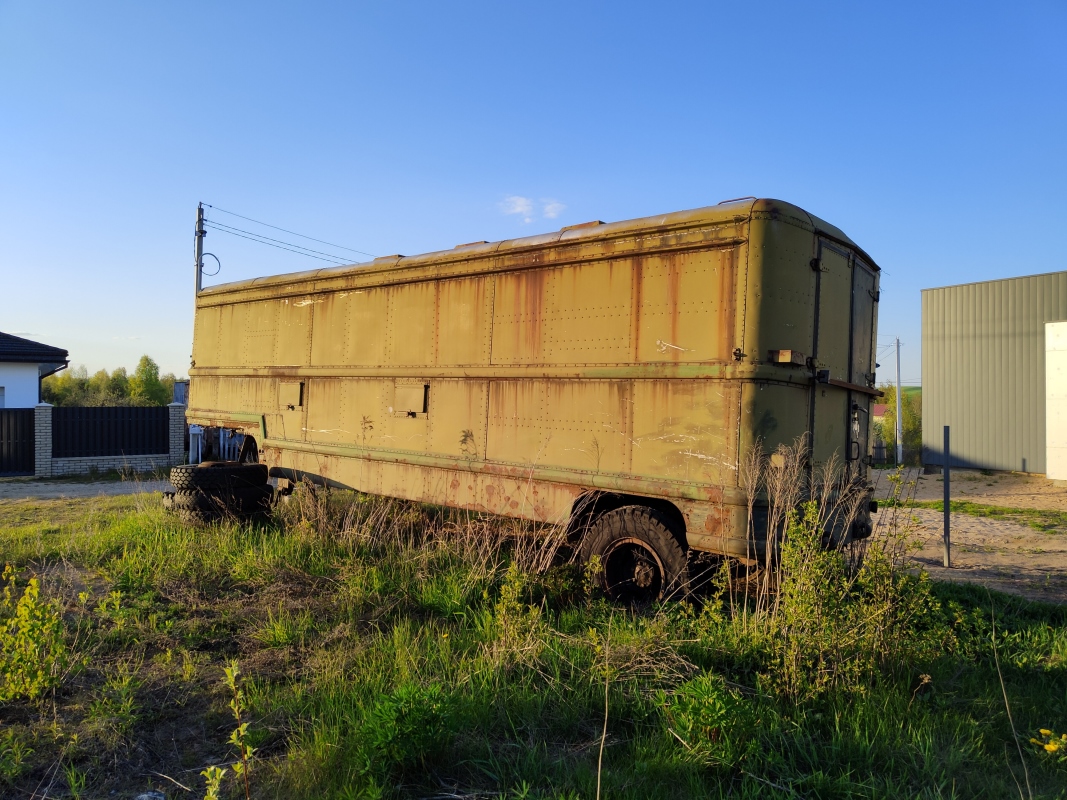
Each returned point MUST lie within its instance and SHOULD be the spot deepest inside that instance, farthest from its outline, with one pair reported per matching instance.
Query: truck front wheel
(641, 558)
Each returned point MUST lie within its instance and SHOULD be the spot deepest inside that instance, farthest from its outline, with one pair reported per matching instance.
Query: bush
(33, 654)
(714, 722)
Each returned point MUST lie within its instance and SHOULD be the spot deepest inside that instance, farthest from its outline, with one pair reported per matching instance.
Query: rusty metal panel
(204, 393)
(587, 425)
(774, 413)
(293, 333)
(686, 430)
(256, 328)
(520, 301)
(516, 421)
(577, 424)
(686, 306)
(588, 319)
(780, 277)
(458, 417)
(464, 321)
(412, 318)
(351, 410)
(331, 314)
(206, 337)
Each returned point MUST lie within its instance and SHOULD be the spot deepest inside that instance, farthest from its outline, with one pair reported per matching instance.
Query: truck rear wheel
(641, 558)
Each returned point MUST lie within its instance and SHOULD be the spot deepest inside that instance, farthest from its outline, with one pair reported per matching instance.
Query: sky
(933, 134)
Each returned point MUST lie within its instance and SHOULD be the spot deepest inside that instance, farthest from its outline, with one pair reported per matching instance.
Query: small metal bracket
(816, 264)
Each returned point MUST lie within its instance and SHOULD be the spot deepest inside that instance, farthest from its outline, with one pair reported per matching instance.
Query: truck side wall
(516, 391)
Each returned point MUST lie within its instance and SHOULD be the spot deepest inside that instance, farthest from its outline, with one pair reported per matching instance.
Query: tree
(67, 388)
(911, 415)
(119, 383)
(145, 386)
(74, 387)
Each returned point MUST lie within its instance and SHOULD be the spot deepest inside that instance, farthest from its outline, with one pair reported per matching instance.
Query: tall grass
(397, 650)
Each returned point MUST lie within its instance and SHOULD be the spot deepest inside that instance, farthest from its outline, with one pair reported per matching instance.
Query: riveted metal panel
(983, 370)
(686, 306)
(464, 321)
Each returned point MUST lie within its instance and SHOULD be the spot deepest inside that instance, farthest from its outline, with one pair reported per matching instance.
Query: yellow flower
(1035, 741)
(1045, 732)
(1051, 747)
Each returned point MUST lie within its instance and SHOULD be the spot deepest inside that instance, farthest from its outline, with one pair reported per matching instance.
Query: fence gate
(16, 441)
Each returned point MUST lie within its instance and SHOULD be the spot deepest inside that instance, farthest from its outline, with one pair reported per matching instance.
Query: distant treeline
(75, 387)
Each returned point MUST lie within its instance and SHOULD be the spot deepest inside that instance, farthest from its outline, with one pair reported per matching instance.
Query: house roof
(878, 409)
(15, 348)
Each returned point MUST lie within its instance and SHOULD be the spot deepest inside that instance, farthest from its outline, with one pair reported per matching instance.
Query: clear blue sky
(932, 133)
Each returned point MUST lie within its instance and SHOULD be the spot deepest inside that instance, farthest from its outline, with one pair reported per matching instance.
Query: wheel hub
(633, 572)
(644, 574)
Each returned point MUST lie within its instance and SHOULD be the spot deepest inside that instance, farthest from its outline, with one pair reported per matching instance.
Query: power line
(289, 249)
(231, 229)
(293, 233)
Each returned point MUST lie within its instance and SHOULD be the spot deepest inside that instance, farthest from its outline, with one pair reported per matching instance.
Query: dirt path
(28, 488)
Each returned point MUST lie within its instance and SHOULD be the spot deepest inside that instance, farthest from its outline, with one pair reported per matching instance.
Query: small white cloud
(552, 208)
(514, 204)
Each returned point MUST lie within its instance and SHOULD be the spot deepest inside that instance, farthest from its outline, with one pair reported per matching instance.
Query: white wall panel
(20, 384)
(1056, 399)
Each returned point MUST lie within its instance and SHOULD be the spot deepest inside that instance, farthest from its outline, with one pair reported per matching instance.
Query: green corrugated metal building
(983, 370)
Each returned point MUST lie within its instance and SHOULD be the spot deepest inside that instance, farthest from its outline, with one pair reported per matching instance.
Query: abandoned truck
(607, 376)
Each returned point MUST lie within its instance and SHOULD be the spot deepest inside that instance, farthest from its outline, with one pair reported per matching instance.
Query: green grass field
(393, 650)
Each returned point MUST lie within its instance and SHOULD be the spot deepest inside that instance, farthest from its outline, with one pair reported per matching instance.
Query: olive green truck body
(637, 360)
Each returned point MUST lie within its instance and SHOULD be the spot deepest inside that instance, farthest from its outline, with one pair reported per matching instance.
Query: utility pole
(946, 470)
(198, 248)
(900, 422)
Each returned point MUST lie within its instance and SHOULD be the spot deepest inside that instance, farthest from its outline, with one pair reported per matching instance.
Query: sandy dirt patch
(998, 554)
(1003, 554)
(1010, 489)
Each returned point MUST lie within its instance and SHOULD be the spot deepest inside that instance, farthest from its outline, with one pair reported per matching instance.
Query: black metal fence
(16, 441)
(121, 431)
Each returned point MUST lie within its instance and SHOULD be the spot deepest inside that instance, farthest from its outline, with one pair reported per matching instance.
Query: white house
(22, 366)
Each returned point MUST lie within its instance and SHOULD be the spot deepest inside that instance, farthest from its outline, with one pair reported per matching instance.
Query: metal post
(198, 244)
(900, 422)
(948, 501)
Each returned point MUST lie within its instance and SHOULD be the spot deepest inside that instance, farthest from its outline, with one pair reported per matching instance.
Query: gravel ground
(28, 488)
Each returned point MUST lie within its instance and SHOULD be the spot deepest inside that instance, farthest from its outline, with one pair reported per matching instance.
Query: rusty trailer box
(640, 359)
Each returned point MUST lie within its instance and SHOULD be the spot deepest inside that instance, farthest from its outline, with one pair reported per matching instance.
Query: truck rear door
(844, 353)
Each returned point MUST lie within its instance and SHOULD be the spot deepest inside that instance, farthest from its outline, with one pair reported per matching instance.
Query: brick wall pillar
(42, 444)
(177, 433)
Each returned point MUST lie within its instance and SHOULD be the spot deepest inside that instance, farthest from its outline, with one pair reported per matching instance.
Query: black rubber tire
(212, 475)
(642, 558)
(206, 506)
